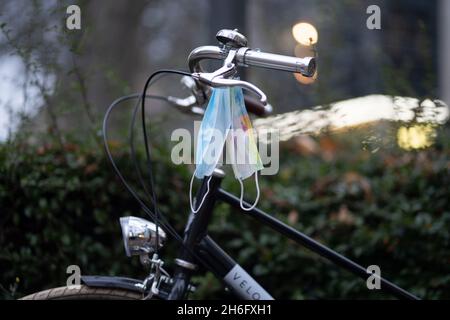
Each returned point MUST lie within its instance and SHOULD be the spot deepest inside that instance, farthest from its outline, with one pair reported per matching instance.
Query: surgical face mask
(226, 123)
(213, 132)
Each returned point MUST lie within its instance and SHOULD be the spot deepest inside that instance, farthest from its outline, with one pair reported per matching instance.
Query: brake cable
(147, 149)
(165, 224)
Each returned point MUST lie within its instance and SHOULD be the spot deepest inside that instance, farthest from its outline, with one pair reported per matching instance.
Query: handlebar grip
(306, 66)
(254, 106)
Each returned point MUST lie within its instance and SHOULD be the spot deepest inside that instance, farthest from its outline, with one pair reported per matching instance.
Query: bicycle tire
(84, 293)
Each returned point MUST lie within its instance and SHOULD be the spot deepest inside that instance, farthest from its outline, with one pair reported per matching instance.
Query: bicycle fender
(113, 282)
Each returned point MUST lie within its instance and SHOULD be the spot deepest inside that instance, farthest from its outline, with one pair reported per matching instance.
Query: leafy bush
(386, 208)
(63, 208)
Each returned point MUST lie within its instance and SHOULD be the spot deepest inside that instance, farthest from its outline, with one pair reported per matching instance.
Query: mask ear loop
(242, 194)
(204, 197)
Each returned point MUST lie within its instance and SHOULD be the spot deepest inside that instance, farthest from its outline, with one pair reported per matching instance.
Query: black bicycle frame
(214, 259)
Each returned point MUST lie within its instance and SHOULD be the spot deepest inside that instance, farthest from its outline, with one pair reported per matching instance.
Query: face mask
(226, 121)
(213, 132)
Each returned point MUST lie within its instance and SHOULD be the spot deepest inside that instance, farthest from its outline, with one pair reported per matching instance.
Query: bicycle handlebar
(235, 52)
(249, 57)
(305, 66)
(255, 106)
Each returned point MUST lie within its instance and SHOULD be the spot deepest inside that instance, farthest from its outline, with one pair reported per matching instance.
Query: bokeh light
(305, 33)
(416, 137)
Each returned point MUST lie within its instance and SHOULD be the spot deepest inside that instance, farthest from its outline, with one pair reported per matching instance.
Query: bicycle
(144, 238)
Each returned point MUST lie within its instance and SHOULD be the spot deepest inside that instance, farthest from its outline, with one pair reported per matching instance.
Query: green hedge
(386, 208)
(62, 207)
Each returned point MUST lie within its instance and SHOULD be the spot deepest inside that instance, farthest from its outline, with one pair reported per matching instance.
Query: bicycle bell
(231, 38)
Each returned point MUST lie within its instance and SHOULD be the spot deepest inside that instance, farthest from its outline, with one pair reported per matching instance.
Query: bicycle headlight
(139, 236)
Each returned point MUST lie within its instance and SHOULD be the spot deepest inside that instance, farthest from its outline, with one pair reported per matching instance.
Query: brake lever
(220, 78)
(216, 79)
(223, 82)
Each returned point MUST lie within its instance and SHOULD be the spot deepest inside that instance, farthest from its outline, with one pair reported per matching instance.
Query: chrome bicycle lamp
(139, 236)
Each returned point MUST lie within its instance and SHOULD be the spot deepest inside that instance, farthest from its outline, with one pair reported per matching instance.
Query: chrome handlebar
(248, 57)
(305, 66)
(235, 53)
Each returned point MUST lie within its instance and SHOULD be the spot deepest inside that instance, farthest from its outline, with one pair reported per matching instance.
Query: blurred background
(371, 182)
